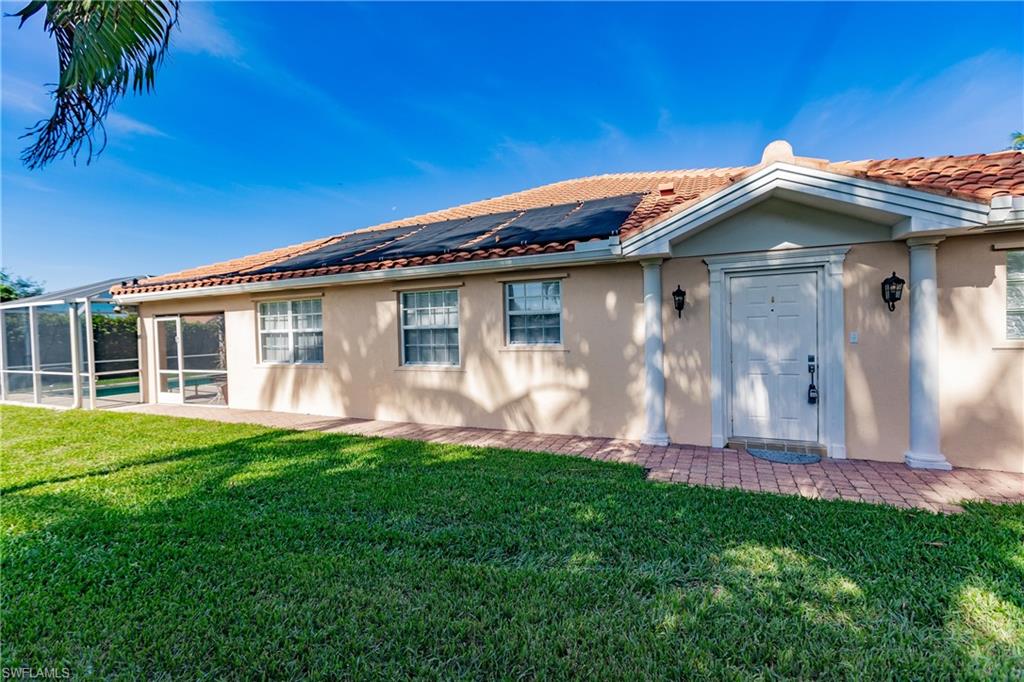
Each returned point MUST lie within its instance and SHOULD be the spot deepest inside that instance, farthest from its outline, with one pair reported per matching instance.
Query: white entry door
(774, 337)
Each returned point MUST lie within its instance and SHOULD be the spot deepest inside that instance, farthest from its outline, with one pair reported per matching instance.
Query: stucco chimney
(779, 150)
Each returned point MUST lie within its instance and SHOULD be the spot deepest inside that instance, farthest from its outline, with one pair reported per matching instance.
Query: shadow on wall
(687, 358)
(877, 367)
(595, 388)
(981, 389)
(982, 397)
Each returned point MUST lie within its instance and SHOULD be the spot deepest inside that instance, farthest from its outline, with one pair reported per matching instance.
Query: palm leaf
(104, 50)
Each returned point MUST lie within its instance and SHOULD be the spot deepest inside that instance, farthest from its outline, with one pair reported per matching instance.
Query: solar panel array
(596, 219)
(436, 238)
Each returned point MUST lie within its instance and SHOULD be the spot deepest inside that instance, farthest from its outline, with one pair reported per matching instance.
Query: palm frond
(104, 50)
(1017, 140)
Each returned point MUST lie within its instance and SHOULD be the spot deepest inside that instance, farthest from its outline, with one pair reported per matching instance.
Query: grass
(139, 546)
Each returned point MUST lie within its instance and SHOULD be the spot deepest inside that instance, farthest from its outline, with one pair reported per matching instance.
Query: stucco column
(655, 432)
(925, 449)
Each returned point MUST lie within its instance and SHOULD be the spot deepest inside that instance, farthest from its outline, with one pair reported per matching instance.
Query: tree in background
(104, 50)
(1017, 140)
(13, 287)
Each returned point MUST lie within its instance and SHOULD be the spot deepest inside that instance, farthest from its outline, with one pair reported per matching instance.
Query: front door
(774, 340)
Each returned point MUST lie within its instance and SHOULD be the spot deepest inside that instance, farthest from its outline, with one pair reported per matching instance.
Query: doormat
(784, 457)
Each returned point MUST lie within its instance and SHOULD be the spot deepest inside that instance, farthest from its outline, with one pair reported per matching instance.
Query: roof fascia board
(931, 211)
(588, 256)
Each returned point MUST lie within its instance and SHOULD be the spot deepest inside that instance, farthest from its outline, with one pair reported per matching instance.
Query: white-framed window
(292, 332)
(430, 327)
(1015, 295)
(533, 312)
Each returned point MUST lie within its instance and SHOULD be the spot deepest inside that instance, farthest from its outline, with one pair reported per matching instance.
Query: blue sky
(274, 123)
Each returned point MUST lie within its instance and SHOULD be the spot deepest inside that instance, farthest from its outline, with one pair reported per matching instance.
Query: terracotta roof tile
(976, 177)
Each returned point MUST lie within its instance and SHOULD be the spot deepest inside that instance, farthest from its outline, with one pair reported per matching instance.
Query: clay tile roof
(976, 177)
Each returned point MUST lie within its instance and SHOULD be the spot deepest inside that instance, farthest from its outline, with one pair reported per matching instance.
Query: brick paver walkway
(857, 480)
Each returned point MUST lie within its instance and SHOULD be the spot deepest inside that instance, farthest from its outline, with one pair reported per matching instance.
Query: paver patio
(857, 480)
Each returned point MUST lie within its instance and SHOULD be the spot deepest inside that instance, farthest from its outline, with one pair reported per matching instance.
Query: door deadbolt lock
(812, 390)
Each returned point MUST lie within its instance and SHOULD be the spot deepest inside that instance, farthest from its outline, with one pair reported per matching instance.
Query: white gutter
(588, 253)
(33, 304)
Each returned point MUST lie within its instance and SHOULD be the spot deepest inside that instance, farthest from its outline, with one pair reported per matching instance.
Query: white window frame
(291, 331)
(1012, 277)
(509, 313)
(402, 327)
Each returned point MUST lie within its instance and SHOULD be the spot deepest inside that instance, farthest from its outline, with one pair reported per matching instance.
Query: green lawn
(147, 546)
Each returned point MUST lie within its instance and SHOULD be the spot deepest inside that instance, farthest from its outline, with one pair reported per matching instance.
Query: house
(868, 309)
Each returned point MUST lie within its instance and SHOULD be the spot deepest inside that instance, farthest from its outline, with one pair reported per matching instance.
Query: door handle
(812, 390)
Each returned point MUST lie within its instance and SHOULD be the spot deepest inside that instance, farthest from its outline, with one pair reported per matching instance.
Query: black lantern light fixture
(892, 290)
(679, 298)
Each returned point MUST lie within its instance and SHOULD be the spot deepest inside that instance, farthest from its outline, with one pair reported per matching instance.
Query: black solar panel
(596, 219)
(338, 252)
(531, 221)
(599, 218)
(437, 238)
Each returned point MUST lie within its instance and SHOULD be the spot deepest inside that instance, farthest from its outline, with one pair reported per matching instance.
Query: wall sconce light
(892, 290)
(679, 299)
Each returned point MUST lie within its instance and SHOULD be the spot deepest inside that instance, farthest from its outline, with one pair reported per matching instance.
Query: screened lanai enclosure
(70, 348)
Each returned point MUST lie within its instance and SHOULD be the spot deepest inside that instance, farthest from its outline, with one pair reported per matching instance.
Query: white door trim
(828, 263)
(166, 397)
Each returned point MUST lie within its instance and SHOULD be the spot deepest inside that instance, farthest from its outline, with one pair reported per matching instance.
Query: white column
(925, 450)
(33, 335)
(655, 432)
(716, 299)
(76, 353)
(3, 357)
(90, 354)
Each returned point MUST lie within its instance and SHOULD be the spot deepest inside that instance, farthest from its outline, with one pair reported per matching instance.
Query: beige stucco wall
(777, 223)
(592, 386)
(687, 352)
(982, 375)
(982, 379)
(877, 391)
(877, 366)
